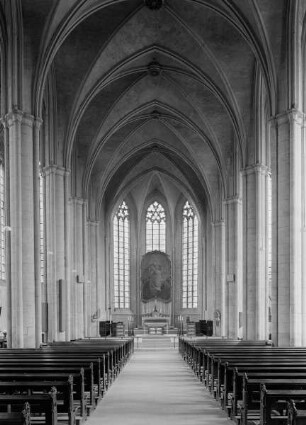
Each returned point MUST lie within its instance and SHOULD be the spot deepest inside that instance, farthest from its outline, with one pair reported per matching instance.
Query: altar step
(144, 332)
(155, 342)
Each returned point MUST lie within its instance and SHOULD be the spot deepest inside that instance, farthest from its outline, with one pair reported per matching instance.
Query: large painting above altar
(156, 277)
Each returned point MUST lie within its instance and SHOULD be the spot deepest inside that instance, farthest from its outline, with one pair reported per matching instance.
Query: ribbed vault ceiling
(142, 93)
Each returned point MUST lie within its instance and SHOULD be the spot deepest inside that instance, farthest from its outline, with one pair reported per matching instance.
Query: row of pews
(256, 384)
(61, 383)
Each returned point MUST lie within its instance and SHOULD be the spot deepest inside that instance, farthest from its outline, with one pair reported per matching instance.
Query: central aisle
(157, 387)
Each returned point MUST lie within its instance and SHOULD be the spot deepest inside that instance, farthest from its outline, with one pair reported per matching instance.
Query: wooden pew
(38, 374)
(241, 378)
(200, 357)
(111, 358)
(17, 418)
(227, 356)
(250, 406)
(191, 349)
(228, 362)
(118, 352)
(31, 366)
(100, 364)
(120, 349)
(271, 366)
(66, 408)
(218, 359)
(105, 368)
(215, 363)
(296, 412)
(80, 359)
(41, 404)
(110, 361)
(274, 400)
(226, 370)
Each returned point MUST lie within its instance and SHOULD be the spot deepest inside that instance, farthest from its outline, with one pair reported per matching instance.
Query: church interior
(152, 169)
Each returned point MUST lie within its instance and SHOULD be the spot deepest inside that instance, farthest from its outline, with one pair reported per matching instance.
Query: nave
(156, 386)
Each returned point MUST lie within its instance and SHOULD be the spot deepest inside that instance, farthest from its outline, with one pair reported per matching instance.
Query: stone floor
(157, 387)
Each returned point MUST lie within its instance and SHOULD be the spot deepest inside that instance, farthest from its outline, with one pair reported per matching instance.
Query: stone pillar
(102, 282)
(107, 273)
(86, 285)
(288, 169)
(56, 250)
(274, 220)
(233, 291)
(68, 257)
(219, 275)
(36, 173)
(94, 297)
(23, 295)
(77, 277)
(296, 278)
(303, 236)
(255, 301)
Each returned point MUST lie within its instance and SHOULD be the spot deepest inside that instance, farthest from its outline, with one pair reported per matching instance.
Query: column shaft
(23, 294)
(38, 292)
(220, 281)
(234, 293)
(255, 301)
(295, 230)
(56, 250)
(288, 194)
(77, 290)
(86, 287)
(94, 306)
(68, 258)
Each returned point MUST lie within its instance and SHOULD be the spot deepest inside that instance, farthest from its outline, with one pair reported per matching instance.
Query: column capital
(218, 223)
(37, 122)
(93, 223)
(78, 201)
(233, 200)
(289, 116)
(256, 169)
(9, 119)
(56, 169)
(16, 115)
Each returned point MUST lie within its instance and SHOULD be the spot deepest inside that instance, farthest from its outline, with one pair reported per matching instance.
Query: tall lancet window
(155, 228)
(121, 232)
(190, 257)
(42, 228)
(2, 211)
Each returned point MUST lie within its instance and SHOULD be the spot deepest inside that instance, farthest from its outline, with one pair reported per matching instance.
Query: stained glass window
(121, 233)
(189, 258)
(155, 228)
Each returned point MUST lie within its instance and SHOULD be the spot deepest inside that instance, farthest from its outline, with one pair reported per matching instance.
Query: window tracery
(189, 258)
(121, 234)
(155, 228)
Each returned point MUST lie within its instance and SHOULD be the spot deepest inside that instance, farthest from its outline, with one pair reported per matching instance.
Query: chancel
(153, 189)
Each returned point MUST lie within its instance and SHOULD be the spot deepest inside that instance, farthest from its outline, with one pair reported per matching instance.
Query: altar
(156, 325)
(156, 322)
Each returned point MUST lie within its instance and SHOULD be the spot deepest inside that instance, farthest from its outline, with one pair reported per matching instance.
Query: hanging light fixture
(154, 4)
